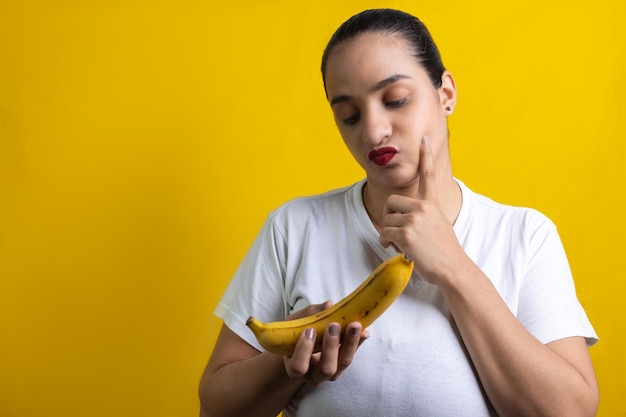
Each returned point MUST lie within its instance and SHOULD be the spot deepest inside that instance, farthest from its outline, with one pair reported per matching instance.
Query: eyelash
(391, 104)
(397, 103)
(351, 120)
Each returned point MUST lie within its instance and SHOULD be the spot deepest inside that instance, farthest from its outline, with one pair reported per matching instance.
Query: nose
(376, 127)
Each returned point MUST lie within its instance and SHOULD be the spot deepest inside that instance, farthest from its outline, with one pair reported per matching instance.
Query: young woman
(489, 324)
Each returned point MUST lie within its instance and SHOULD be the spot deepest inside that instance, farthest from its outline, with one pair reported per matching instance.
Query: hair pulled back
(393, 22)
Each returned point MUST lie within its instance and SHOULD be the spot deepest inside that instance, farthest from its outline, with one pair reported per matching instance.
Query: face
(383, 103)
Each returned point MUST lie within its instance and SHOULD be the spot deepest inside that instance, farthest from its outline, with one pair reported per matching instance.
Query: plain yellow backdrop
(142, 144)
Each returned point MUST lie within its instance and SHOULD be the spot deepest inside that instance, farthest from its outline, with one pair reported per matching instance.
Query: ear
(447, 93)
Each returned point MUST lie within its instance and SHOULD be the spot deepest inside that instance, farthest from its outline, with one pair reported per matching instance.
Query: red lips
(382, 156)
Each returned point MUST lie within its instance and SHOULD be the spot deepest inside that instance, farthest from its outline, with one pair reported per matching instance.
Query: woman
(489, 324)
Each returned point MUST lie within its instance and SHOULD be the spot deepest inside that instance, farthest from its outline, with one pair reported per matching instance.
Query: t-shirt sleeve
(548, 305)
(257, 288)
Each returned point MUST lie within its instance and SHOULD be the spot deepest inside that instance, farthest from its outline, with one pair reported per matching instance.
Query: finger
(299, 363)
(352, 339)
(327, 366)
(427, 186)
(390, 220)
(394, 218)
(363, 336)
(395, 206)
(309, 310)
(385, 243)
(387, 239)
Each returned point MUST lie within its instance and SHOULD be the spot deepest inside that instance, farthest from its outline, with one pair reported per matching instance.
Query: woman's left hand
(418, 227)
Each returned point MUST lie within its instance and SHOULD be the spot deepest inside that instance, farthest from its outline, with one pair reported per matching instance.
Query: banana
(365, 304)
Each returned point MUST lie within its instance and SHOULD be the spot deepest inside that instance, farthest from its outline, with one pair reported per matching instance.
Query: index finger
(427, 186)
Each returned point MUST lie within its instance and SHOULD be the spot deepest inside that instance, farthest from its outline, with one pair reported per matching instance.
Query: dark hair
(396, 22)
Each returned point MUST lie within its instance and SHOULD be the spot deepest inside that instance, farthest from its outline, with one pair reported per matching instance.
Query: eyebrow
(377, 87)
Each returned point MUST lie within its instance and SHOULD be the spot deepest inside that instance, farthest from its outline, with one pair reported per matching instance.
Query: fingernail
(309, 333)
(334, 330)
(354, 331)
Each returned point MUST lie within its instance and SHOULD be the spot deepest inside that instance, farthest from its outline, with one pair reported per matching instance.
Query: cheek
(427, 120)
(355, 146)
(351, 144)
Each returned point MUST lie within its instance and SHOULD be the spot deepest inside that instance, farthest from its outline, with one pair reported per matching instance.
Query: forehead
(368, 59)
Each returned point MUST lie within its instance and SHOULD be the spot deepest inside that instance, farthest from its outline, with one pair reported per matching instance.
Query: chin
(397, 180)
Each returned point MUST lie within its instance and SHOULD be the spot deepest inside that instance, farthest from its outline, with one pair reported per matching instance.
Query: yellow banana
(365, 304)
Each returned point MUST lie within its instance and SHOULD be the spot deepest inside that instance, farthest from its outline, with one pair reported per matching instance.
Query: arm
(240, 380)
(520, 375)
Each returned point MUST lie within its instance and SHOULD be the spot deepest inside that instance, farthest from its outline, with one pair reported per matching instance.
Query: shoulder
(493, 211)
(485, 218)
(318, 205)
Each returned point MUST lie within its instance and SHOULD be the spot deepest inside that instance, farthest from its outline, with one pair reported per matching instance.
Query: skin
(240, 380)
(380, 96)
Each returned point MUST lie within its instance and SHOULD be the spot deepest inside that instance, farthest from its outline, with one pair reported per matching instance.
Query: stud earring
(448, 108)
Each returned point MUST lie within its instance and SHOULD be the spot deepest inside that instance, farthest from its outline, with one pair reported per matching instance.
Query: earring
(448, 108)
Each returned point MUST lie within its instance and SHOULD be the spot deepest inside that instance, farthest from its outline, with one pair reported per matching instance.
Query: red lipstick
(382, 156)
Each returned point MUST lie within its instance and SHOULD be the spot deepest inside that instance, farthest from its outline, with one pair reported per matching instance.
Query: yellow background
(142, 144)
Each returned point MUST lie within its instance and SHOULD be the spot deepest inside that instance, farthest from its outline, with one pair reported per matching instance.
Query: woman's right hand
(336, 354)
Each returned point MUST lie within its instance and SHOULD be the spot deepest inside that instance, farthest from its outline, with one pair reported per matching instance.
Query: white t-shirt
(319, 248)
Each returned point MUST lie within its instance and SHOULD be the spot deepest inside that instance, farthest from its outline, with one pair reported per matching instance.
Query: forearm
(257, 386)
(521, 376)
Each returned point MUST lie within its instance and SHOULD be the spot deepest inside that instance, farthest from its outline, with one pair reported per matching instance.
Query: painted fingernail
(354, 331)
(309, 333)
(334, 330)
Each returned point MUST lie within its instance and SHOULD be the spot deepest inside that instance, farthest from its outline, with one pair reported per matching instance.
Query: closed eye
(352, 119)
(396, 103)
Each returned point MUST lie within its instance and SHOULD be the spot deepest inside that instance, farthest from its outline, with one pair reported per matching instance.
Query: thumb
(309, 310)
